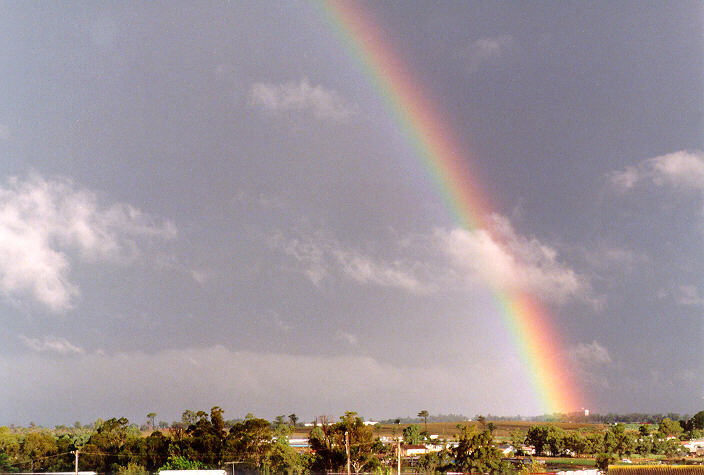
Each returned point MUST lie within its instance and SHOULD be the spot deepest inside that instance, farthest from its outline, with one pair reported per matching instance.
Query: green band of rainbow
(430, 136)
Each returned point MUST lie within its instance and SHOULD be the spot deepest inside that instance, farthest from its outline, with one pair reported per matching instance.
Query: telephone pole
(76, 453)
(398, 461)
(347, 449)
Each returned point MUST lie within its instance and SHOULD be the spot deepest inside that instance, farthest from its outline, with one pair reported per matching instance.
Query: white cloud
(625, 179)
(487, 49)
(322, 256)
(689, 295)
(366, 270)
(40, 220)
(51, 344)
(301, 96)
(682, 169)
(262, 383)
(200, 276)
(348, 338)
(590, 354)
(445, 259)
(507, 260)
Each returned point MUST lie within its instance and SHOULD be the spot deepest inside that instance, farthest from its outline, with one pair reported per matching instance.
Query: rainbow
(430, 136)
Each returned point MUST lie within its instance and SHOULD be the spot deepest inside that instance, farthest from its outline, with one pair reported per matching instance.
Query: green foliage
(104, 447)
(413, 434)
(328, 443)
(603, 460)
(132, 469)
(475, 451)
(518, 440)
(178, 462)
(574, 443)
(38, 447)
(668, 427)
(534, 466)
(624, 443)
(434, 461)
(546, 439)
(5, 466)
(424, 415)
(250, 442)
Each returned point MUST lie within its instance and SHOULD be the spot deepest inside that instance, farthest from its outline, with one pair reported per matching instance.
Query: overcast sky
(207, 203)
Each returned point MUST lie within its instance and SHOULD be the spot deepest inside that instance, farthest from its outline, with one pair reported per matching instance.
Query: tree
(250, 441)
(424, 415)
(644, 430)
(518, 439)
(594, 443)
(546, 439)
(154, 450)
(279, 421)
(603, 461)
(151, 420)
(178, 462)
(413, 434)
(668, 427)
(104, 447)
(475, 452)
(434, 461)
(36, 447)
(293, 419)
(696, 422)
(328, 443)
(5, 466)
(624, 442)
(575, 443)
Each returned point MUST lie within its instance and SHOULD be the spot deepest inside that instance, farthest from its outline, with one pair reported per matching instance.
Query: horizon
(471, 208)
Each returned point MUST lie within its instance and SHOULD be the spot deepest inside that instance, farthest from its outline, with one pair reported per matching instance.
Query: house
(413, 450)
(695, 446)
(506, 449)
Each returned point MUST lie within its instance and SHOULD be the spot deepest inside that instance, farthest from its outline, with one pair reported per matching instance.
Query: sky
(211, 203)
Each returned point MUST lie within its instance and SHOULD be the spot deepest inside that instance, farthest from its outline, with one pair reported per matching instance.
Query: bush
(603, 461)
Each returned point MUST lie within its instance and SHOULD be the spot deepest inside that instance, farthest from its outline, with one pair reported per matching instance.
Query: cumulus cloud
(507, 260)
(444, 259)
(42, 219)
(301, 96)
(52, 344)
(682, 169)
(486, 49)
(264, 383)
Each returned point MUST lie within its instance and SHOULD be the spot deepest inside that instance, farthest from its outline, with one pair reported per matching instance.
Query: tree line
(206, 440)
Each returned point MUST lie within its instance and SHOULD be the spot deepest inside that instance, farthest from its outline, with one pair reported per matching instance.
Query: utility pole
(347, 449)
(76, 452)
(398, 461)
